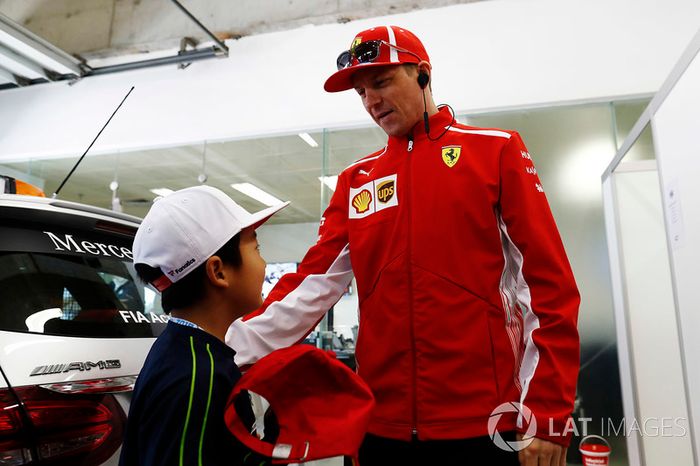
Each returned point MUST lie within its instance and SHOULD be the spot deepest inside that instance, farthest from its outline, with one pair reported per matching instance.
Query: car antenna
(55, 194)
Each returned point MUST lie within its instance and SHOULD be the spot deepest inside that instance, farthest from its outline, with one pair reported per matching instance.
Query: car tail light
(58, 429)
(13, 453)
(9, 414)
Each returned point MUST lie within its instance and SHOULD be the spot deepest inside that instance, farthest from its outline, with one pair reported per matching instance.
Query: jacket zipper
(414, 367)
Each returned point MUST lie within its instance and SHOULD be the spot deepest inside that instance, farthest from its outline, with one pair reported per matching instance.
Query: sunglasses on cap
(366, 52)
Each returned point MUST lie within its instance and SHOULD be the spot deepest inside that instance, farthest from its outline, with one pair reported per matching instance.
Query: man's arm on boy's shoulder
(299, 300)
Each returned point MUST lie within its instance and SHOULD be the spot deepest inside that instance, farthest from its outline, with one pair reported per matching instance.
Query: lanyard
(186, 323)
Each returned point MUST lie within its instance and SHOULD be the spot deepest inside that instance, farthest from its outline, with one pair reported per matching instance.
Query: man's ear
(216, 273)
(424, 75)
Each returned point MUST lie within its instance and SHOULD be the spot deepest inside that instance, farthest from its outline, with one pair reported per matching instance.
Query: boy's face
(247, 288)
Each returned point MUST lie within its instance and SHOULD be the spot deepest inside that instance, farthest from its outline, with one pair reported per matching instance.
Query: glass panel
(89, 184)
(626, 115)
(285, 166)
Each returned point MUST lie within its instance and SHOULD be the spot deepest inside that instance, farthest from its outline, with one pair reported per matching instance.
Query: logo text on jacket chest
(373, 196)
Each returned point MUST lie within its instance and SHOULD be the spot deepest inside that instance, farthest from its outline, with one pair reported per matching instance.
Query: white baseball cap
(184, 229)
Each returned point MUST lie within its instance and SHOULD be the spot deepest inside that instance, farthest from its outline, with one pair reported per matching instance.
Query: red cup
(594, 454)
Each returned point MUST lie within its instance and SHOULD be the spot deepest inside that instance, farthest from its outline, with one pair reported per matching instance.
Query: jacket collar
(438, 122)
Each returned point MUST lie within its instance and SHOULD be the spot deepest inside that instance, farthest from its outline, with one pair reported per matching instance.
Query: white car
(75, 327)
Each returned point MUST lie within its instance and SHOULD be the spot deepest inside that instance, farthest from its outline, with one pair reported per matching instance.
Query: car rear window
(74, 283)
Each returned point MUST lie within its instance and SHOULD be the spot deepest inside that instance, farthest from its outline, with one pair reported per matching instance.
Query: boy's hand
(542, 453)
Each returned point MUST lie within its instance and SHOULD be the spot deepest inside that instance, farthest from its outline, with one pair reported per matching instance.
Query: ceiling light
(6, 76)
(256, 193)
(309, 140)
(36, 49)
(19, 65)
(161, 191)
(330, 181)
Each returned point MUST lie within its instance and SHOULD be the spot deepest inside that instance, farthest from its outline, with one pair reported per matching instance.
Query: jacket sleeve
(546, 294)
(299, 300)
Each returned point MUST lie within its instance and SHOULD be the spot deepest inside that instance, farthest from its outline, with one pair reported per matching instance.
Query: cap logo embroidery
(172, 273)
(361, 201)
(450, 155)
(357, 41)
(385, 191)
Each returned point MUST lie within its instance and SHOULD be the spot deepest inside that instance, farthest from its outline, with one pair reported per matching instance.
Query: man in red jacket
(468, 305)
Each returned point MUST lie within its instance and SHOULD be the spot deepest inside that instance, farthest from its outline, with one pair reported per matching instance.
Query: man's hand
(542, 453)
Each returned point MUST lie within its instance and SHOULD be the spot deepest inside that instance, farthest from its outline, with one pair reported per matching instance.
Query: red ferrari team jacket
(466, 297)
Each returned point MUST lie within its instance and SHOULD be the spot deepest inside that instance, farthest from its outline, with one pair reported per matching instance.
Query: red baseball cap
(321, 406)
(395, 45)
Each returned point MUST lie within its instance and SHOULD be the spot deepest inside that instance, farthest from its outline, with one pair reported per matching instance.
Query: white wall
(676, 127)
(486, 55)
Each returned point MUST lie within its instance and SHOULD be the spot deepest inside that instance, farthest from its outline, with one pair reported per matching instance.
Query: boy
(199, 249)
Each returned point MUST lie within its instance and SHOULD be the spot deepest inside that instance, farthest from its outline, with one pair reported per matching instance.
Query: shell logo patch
(361, 201)
(450, 155)
(385, 191)
(373, 196)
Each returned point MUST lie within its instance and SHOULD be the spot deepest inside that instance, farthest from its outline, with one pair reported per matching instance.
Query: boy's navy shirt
(176, 416)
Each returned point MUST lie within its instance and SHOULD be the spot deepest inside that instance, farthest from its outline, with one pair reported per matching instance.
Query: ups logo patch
(385, 191)
(373, 196)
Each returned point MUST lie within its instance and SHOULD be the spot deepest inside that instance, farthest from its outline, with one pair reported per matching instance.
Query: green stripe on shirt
(206, 412)
(189, 406)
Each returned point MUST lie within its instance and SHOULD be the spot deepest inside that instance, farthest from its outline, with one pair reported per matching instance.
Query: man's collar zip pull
(410, 142)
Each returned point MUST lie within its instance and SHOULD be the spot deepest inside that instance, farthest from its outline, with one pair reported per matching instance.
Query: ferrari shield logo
(357, 41)
(450, 155)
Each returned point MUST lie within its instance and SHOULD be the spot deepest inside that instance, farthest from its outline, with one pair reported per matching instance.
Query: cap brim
(341, 80)
(261, 217)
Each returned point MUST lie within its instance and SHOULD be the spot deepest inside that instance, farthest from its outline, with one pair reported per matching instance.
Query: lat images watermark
(528, 419)
(580, 427)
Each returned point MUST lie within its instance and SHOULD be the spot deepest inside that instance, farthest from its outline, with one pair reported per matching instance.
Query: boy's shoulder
(169, 348)
(181, 352)
(183, 361)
